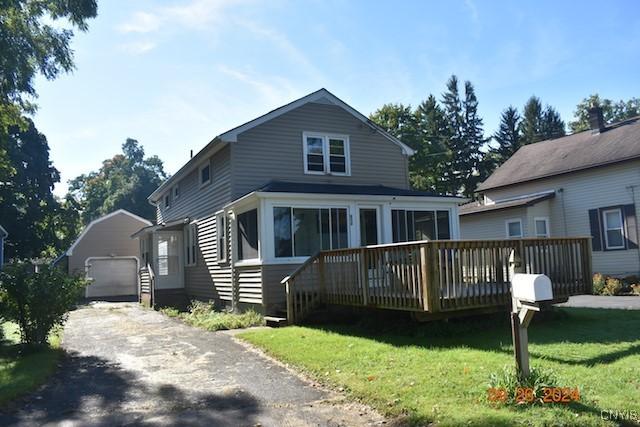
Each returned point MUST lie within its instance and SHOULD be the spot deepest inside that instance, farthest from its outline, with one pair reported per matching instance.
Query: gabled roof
(351, 189)
(3, 232)
(99, 220)
(230, 136)
(584, 150)
(476, 208)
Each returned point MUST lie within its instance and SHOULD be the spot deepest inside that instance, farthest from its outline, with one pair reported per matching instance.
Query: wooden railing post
(364, 276)
(291, 316)
(425, 283)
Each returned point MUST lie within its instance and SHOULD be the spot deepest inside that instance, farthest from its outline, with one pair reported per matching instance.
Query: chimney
(191, 154)
(596, 119)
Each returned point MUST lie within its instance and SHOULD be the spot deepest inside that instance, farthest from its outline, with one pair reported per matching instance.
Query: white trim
(200, 169)
(378, 210)
(605, 229)
(521, 196)
(326, 153)
(96, 221)
(546, 225)
(511, 221)
(91, 258)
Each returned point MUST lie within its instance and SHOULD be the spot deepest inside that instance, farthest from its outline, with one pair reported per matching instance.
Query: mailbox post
(527, 291)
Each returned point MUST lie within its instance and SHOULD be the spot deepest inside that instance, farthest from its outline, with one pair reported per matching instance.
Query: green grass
(23, 371)
(202, 315)
(439, 372)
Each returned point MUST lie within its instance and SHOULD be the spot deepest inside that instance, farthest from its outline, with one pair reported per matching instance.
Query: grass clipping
(203, 315)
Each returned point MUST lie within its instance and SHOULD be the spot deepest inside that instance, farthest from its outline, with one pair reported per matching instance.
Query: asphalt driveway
(131, 366)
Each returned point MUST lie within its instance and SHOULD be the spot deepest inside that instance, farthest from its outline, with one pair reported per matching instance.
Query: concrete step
(275, 321)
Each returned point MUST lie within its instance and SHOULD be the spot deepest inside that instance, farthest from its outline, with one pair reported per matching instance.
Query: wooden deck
(435, 277)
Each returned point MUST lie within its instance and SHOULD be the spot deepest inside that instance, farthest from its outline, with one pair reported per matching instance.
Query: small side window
(176, 192)
(167, 200)
(205, 174)
(514, 228)
(542, 227)
(221, 230)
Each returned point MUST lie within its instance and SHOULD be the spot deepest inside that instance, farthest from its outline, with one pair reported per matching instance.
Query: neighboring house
(585, 184)
(258, 200)
(105, 253)
(3, 236)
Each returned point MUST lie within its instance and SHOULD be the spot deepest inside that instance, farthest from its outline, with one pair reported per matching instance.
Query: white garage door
(112, 277)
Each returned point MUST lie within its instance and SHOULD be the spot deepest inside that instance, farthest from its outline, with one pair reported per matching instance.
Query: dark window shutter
(596, 236)
(630, 222)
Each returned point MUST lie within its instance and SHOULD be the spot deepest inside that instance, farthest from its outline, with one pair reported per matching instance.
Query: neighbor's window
(514, 228)
(205, 174)
(613, 228)
(409, 225)
(221, 230)
(305, 231)
(542, 227)
(190, 244)
(326, 154)
(248, 235)
(167, 200)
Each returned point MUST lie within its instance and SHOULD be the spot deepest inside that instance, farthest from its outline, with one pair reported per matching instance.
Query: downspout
(564, 212)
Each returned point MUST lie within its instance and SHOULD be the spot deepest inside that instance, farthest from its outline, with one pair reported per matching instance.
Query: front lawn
(439, 372)
(22, 372)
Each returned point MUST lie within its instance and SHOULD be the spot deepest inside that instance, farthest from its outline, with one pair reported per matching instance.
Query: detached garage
(107, 255)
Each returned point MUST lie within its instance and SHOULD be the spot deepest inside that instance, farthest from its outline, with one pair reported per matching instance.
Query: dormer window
(205, 174)
(326, 154)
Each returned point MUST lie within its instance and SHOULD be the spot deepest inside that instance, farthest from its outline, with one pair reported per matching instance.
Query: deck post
(291, 317)
(364, 276)
(425, 283)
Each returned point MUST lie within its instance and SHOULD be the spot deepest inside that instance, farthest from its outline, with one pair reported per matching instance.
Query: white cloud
(141, 22)
(273, 90)
(138, 47)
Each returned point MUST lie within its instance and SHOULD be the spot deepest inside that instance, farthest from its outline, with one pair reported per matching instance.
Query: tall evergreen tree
(471, 155)
(532, 121)
(455, 138)
(508, 136)
(552, 125)
(426, 169)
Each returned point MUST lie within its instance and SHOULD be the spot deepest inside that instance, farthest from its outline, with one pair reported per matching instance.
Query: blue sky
(174, 74)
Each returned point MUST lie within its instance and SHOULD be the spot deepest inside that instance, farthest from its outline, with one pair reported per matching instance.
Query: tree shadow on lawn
(493, 332)
(92, 391)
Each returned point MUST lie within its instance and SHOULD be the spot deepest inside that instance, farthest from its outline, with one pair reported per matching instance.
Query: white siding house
(585, 184)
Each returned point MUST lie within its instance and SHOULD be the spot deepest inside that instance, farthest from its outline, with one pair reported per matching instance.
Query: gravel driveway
(131, 366)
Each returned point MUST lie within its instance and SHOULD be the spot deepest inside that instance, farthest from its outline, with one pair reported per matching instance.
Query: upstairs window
(167, 200)
(326, 154)
(205, 174)
(514, 228)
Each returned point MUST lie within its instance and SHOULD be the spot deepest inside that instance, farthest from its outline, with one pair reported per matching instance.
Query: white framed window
(221, 240)
(326, 154)
(247, 235)
(542, 226)
(190, 244)
(303, 231)
(513, 228)
(176, 192)
(413, 225)
(613, 225)
(204, 174)
(167, 200)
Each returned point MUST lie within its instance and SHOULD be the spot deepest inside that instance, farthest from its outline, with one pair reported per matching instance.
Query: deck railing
(146, 281)
(434, 276)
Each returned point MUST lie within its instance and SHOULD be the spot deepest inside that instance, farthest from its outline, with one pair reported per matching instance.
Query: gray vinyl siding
(274, 151)
(110, 237)
(249, 284)
(491, 225)
(274, 293)
(582, 191)
(195, 201)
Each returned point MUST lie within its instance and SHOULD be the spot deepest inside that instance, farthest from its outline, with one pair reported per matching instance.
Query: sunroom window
(248, 235)
(410, 225)
(305, 231)
(326, 154)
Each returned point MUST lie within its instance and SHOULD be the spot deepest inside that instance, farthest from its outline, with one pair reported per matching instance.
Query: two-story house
(261, 198)
(585, 184)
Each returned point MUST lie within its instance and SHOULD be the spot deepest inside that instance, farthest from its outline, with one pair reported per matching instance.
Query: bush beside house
(614, 286)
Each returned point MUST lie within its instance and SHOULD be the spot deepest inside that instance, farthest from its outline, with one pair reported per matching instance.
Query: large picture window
(326, 154)
(305, 231)
(248, 235)
(410, 225)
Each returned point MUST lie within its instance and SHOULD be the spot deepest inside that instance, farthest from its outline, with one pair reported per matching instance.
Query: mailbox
(531, 287)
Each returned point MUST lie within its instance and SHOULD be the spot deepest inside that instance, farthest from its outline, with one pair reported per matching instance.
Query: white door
(168, 259)
(369, 225)
(112, 277)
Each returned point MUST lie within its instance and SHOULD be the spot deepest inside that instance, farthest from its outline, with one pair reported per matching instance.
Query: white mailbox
(531, 287)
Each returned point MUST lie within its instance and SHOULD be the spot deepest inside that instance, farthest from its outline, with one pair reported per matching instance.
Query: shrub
(598, 283)
(203, 315)
(613, 286)
(170, 311)
(509, 381)
(635, 289)
(37, 302)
